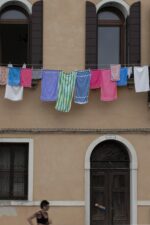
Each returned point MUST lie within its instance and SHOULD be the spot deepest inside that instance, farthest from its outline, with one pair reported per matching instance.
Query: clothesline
(60, 86)
(99, 65)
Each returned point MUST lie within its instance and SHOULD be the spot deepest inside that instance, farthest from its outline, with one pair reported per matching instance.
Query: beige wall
(60, 175)
(59, 215)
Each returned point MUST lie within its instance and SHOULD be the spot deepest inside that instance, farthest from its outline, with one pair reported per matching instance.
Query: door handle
(100, 206)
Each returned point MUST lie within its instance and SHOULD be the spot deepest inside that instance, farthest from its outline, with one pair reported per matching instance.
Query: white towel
(141, 78)
(129, 71)
(14, 93)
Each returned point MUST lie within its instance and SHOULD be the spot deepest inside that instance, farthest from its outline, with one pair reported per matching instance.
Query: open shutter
(133, 48)
(37, 34)
(134, 34)
(91, 36)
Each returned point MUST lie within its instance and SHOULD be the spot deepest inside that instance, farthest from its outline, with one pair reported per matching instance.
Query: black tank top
(41, 219)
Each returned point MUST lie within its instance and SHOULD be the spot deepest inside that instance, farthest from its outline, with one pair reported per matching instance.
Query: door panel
(98, 194)
(120, 197)
(110, 188)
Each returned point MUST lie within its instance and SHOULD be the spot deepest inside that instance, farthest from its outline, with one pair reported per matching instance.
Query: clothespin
(10, 65)
(24, 66)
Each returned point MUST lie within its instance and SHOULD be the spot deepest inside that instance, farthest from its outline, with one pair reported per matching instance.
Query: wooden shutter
(133, 47)
(91, 36)
(134, 34)
(37, 34)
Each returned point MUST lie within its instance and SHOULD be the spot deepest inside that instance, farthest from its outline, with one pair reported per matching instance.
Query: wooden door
(110, 188)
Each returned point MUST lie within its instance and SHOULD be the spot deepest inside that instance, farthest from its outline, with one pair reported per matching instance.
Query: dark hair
(44, 203)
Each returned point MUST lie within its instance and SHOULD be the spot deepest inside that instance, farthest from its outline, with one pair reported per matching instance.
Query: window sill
(4, 203)
(18, 203)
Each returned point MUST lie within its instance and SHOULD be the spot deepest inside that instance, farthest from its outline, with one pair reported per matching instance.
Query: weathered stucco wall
(60, 175)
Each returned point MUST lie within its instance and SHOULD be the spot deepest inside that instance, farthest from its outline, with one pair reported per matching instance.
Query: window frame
(19, 22)
(14, 21)
(30, 166)
(114, 23)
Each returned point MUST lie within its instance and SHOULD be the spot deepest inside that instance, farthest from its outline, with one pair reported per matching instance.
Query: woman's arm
(31, 218)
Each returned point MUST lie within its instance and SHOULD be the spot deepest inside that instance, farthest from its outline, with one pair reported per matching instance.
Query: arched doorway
(133, 176)
(14, 35)
(110, 184)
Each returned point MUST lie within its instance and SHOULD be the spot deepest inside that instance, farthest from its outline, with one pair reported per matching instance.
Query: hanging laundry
(36, 74)
(130, 71)
(95, 81)
(108, 87)
(82, 87)
(123, 77)
(3, 75)
(14, 76)
(115, 72)
(141, 79)
(10, 65)
(24, 66)
(14, 93)
(26, 77)
(66, 87)
(49, 85)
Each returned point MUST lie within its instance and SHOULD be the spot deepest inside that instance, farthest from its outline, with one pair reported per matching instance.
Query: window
(119, 20)
(14, 23)
(111, 37)
(14, 164)
(21, 33)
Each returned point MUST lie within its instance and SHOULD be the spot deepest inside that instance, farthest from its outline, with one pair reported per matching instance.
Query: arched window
(111, 37)
(14, 23)
(21, 32)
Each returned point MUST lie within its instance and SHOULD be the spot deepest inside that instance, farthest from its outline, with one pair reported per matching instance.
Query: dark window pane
(18, 40)
(4, 184)
(108, 46)
(13, 170)
(18, 186)
(19, 160)
(13, 15)
(106, 15)
(4, 159)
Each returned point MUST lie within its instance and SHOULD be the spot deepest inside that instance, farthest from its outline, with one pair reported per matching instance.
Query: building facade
(96, 153)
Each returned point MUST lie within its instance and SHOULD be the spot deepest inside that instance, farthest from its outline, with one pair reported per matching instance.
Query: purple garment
(49, 85)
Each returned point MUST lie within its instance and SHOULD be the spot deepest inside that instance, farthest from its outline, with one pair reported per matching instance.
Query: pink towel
(26, 77)
(95, 81)
(108, 87)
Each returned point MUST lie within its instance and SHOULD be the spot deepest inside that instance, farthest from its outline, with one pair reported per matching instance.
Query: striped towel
(66, 87)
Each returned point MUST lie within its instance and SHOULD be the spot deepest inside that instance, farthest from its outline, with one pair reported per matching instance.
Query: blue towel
(49, 85)
(82, 87)
(123, 77)
(14, 76)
